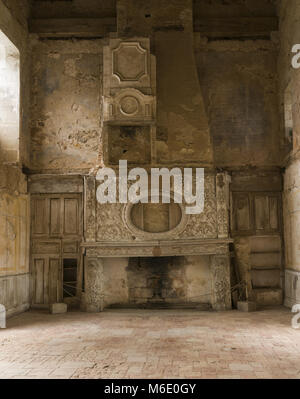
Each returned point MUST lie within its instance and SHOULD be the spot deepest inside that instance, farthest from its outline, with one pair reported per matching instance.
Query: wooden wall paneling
(71, 216)
(262, 213)
(55, 217)
(40, 216)
(255, 213)
(47, 279)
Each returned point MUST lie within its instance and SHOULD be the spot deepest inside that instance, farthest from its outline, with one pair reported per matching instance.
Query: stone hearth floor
(151, 344)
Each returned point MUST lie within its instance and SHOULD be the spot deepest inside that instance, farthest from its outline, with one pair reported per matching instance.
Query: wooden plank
(82, 27)
(46, 281)
(241, 211)
(262, 218)
(55, 227)
(71, 217)
(38, 184)
(236, 27)
(256, 182)
(273, 205)
(40, 216)
(39, 265)
(53, 280)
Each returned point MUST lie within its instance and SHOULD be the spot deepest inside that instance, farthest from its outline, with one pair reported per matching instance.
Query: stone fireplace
(186, 264)
(155, 254)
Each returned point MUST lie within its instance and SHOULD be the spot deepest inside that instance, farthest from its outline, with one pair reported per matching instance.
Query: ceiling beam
(236, 27)
(72, 27)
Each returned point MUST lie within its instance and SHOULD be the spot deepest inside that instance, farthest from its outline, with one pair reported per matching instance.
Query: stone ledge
(158, 248)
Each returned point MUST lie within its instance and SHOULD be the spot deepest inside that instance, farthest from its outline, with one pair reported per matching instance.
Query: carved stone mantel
(157, 248)
(216, 249)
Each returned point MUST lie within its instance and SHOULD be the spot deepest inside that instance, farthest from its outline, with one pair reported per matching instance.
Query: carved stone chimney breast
(129, 99)
(129, 84)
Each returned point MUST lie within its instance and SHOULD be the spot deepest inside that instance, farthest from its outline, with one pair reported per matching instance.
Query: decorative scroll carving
(110, 222)
(110, 226)
(205, 224)
(220, 274)
(90, 209)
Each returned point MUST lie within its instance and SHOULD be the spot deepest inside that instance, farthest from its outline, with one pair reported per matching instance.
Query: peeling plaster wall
(289, 12)
(239, 84)
(14, 201)
(238, 81)
(65, 108)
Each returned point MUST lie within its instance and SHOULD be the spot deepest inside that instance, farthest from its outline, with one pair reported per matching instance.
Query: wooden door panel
(54, 280)
(55, 216)
(47, 280)
(40, 224)
(242, 212)
(274, 213)
(56, 233)
(262, 213)
(71, 217)
(39, 266)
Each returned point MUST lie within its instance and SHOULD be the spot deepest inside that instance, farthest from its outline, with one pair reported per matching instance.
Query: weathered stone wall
(239, 86)
(238, 82)
(14, 201)
(289, 12)
(65, 108)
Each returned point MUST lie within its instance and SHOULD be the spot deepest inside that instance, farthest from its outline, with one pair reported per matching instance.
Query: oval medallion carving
(156, 218)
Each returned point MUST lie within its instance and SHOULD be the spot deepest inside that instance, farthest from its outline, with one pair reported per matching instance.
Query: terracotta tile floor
(151, 344)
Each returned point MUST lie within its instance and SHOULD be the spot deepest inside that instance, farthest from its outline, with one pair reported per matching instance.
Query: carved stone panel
(129, 104)
(94, 294)
(127, 63)
(130, 62)
(220, 274)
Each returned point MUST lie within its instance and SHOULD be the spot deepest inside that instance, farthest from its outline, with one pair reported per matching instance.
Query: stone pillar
(220, 275)
(94, 295)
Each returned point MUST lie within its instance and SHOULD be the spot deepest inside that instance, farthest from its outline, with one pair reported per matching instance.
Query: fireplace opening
(168, 282)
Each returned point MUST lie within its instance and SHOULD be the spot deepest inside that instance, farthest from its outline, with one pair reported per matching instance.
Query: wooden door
(56, 233)
(47, 279)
